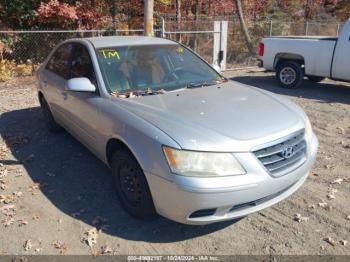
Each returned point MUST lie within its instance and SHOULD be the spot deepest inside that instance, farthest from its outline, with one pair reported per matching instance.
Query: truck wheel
(131, 184)
(50, 122)
(315, 79)
(290, 74)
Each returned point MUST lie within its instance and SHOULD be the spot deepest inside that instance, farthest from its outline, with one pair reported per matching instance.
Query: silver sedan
(181, 140)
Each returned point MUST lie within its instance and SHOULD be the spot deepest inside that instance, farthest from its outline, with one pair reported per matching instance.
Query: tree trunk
(114, 13)
(244, 27)
(195, 44)
(178, 17)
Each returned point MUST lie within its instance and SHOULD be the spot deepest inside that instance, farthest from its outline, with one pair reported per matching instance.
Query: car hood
(223, 117)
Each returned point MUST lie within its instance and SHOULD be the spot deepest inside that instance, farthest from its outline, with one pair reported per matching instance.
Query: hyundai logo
(288, 152)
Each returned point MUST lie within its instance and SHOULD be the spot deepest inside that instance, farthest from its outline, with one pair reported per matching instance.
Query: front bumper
(230, 197)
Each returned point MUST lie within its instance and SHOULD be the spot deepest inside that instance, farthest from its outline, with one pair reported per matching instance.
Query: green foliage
(17, 14)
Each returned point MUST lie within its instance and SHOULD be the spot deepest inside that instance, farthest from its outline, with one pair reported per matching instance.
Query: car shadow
(324, 92)
(79, 184)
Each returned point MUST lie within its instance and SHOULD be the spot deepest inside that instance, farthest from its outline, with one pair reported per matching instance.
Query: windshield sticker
(110, 53)
(179, 50)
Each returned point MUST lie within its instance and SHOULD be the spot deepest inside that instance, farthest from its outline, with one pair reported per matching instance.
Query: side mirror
(80, 84)
(216, 68)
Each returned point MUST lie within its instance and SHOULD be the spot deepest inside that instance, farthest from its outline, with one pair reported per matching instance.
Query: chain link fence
(22, 51)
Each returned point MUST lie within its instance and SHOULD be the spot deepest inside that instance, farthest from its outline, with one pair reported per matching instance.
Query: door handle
(65, 95)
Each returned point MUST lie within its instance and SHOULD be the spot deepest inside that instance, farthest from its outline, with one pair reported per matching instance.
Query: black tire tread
(51, 124)
(299, 74)
(146, 210)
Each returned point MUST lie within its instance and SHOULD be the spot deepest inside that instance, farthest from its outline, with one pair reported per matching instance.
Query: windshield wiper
(137, 93)
(201, 84)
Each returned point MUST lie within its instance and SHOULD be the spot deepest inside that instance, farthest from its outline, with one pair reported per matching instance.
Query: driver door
(83, 110)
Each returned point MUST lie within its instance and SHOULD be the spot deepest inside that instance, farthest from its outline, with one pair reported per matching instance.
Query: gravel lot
(53, 190)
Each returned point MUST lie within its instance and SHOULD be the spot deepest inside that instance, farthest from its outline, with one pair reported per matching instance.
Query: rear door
(54, 79)
(341, 61)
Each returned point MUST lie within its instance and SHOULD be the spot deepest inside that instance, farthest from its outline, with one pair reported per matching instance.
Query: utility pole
(114, 13)
(148, 17)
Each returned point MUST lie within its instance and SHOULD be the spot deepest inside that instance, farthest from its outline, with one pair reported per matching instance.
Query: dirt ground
(53, 190)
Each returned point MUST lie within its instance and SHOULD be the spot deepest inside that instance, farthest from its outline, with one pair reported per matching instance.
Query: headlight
(192, 163)
(308, 130)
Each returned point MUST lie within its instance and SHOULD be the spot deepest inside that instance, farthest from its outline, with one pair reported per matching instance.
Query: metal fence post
(338, 28)
(271, 27)
(220, 44)
(307, 28)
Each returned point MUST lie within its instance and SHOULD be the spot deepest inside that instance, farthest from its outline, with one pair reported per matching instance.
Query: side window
(82, 64)
(59, 63)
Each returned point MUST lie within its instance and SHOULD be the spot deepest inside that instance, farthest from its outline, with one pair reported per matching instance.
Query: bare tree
(178, 17)
(244, 27)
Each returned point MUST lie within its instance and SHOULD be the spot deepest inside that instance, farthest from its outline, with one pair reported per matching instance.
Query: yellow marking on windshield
(110, 53)
(179, 50)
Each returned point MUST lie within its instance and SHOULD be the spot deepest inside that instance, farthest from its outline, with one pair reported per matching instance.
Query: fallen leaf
(343, 242)
(8, 199)
(341, 130)
(329, 166)
(338, 181)
(330, 241)
(8, 222)
(22, 222)
(38, 250)
(322, 204)
(61, 246)
(3, 186)
(95, 253)
(34, 187)
(18, 193)
(106, 250)
(91, 237)
(332, 190)
(348, 217)
(28, 245)
(7, 208)
(331, 196)
(3, 173)
(299, 218)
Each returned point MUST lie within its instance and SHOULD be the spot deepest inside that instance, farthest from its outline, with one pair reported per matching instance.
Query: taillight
(261, 49)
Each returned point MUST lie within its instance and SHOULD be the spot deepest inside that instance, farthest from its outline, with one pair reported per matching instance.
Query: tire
(50, 122)
(315, 79)
(131, 185)
(290, 74)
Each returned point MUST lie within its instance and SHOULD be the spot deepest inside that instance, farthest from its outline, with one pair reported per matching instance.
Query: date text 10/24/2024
(173, 258)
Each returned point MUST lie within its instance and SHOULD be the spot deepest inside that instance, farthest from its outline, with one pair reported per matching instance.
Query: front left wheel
(131, 184)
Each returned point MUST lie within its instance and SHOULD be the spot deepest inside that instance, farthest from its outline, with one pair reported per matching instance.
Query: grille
(285, 156)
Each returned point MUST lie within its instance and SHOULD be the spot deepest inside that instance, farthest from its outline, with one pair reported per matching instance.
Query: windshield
(156, 67)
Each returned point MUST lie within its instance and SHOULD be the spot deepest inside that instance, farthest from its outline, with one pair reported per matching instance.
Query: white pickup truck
(315, 57)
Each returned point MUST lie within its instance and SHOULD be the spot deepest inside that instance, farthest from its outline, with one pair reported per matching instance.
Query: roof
(111, 41)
